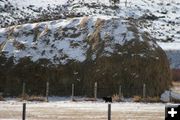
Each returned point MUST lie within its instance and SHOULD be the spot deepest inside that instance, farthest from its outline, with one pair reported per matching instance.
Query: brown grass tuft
(83, 22)
(37, 98)
(116, 98)
(137, 99)
(1, 98)
(148, 99)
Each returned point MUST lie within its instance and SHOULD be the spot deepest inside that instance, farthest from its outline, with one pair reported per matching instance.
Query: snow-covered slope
(13, 12)
(37, 3)
(160, 18)
(70, 39)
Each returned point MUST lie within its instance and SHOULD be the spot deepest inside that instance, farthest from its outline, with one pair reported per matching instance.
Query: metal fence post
(24, 111)
(109, 111)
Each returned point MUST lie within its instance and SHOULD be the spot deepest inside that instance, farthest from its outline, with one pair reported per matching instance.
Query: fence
(95, 91)
(81, 111)
(24, 112)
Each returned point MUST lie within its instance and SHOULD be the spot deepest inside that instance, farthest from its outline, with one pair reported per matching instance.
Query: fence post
(72, 96)
(144, 91)
(95, 91)
(170, 96)
(120, 91)
(47, 91)
(109, 111)
(24, 111)
(23, 90)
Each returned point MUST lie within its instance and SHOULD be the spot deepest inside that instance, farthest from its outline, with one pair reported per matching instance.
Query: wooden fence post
(24, 111)
(144, 91)
(72, 96)
(109, 111)
(170, 96)
(95, 91)
(120, 91)
(47, 91)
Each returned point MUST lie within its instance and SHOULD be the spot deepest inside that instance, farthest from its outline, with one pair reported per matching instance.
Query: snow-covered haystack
(111, 51)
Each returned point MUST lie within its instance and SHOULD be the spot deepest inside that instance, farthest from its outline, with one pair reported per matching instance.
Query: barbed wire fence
(96, 91)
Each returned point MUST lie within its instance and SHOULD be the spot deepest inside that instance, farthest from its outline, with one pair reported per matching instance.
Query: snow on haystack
(62, 39)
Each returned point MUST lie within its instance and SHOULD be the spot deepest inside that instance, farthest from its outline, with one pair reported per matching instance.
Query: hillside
(160, 18)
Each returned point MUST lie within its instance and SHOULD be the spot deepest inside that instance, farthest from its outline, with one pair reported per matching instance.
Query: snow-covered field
(67, 110)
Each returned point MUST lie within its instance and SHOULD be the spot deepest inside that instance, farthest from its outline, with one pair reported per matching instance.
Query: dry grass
(176, 87)
(37, 98)
(153, 99)
(177, 84)
(116, 98)
(137, 99)
(99, 23)
(90, 99)
(84, 21)
(18, 45)
(1, 98)
(84, 99)
(32, 98)
(148, 99)
(175, 100)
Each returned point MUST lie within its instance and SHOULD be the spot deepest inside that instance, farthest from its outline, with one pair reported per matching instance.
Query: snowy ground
(67, 110)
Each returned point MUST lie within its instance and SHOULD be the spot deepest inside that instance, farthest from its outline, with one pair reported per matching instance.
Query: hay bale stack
(110, 51)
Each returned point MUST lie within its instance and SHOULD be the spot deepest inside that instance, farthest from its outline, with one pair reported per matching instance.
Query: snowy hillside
(15, 12)
(159, 17)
